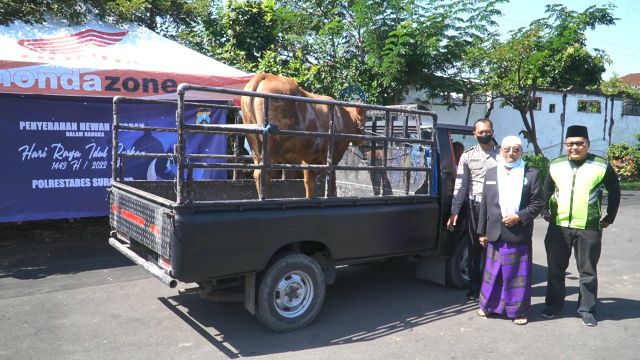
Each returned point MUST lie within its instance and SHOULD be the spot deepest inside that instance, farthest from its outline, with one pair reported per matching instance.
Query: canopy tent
(56, 85)
(98, 59)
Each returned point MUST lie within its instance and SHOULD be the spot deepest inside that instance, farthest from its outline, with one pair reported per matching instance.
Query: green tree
(614, 86)
(379, 46)
(164, 16)
(550, 52)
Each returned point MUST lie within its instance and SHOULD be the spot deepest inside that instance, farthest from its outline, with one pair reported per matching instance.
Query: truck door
(452, 140)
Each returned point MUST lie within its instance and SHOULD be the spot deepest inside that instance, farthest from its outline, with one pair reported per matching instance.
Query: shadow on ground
(367, 302)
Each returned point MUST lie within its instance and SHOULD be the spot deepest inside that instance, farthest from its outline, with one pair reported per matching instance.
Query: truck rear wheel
(457, 266)
(290, 293)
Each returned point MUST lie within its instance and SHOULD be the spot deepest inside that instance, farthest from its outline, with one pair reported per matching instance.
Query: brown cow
(288, 115)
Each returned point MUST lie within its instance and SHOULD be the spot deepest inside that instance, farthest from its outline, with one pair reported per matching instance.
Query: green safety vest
(578, 194)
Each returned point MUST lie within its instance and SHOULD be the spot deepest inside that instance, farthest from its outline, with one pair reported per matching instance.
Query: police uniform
(472, 168)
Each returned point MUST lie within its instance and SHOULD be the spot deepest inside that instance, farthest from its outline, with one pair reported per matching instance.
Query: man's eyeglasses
(576, 143)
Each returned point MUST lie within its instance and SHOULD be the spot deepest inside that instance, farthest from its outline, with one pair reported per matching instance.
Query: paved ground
(64, 294)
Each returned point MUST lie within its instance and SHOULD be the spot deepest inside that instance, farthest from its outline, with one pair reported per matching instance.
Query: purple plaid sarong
(506, 282)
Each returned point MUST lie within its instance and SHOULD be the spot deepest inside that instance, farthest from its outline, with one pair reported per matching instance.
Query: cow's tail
(247, 102)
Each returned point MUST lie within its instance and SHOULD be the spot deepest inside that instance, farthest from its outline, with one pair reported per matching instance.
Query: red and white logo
(67, 44)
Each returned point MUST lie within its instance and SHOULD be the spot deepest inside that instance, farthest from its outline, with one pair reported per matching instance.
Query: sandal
(521, 320)
(482, 313)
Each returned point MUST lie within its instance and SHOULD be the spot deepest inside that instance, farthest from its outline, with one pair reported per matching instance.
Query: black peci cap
(577, 131)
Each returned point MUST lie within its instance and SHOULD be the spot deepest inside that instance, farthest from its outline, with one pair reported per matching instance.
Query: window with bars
(538, 104)
(590, 106)
(631, 107)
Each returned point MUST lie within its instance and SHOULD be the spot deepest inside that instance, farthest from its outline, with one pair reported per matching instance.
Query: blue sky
(621, 41)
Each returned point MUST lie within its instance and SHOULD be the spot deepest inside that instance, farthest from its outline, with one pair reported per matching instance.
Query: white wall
(458, 116)
(447, 115)
(550, 132)
(507, 121)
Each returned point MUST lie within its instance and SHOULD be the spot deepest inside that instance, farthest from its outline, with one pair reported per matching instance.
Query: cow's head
(357, 116)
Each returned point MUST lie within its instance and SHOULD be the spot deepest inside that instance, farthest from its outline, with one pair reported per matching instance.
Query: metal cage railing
(395, 132)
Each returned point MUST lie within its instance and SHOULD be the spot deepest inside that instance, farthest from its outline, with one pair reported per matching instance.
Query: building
(610, 120)
(632, 80)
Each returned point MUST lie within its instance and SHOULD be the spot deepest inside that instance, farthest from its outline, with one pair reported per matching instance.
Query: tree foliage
(615, 87)
(550, 52)
(379, 46)
(164, 16)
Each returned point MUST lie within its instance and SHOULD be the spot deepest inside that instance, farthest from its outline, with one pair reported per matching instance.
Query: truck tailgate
(143, 221)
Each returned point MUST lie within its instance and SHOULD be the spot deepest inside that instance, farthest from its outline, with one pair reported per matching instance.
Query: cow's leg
(266, 186)
(257, 176)
(309, 182)
(263, 178)
(255, 142)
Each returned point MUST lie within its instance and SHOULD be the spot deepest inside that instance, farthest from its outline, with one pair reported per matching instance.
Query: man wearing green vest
(573, 192)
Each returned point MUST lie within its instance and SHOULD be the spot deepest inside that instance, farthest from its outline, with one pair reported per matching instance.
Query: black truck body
(280, 251)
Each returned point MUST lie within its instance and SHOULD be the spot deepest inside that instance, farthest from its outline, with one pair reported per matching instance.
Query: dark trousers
(586, 245)
(476, 250)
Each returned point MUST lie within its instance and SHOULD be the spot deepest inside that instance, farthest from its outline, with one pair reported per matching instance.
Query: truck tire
(457, 267)
(290, 293)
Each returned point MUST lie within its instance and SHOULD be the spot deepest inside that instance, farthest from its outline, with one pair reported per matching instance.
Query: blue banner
(56, 152)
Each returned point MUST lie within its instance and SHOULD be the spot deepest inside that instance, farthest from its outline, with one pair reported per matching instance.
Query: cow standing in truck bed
(301, 116)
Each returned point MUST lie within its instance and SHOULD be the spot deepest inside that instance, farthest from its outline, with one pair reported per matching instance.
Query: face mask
(484, 139)
(513, 164)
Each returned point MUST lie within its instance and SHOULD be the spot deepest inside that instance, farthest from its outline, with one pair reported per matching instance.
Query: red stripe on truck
(154, 229)
(133, 217)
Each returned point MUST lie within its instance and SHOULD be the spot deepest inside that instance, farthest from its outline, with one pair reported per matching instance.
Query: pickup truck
(278, 253)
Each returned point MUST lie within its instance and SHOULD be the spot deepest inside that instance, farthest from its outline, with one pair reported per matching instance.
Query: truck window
(458, 149)
(459, 143)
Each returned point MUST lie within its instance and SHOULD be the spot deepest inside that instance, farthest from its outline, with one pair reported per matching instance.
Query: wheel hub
(293, 294)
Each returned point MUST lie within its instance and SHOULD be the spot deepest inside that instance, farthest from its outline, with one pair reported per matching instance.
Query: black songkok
(577, 131)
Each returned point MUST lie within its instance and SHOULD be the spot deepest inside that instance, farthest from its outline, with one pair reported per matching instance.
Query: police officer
(473, 165)
(573, 191)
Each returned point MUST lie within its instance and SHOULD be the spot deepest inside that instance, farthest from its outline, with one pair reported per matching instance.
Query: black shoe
(588, 319)
(548, 313)
(472, 295)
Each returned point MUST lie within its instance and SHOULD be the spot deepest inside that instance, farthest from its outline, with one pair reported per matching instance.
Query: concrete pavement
(83, 300)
